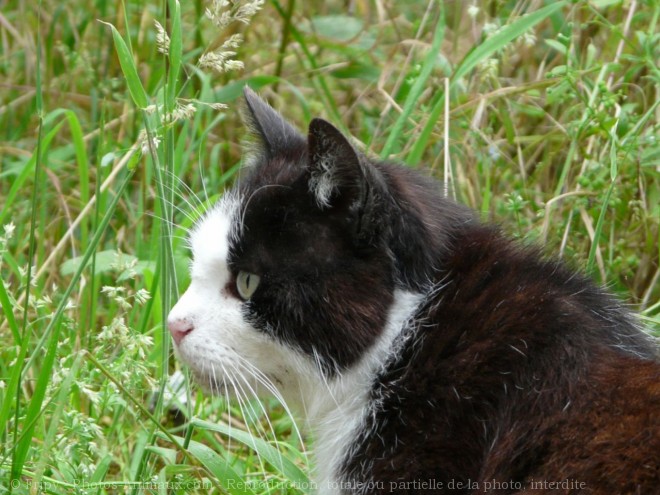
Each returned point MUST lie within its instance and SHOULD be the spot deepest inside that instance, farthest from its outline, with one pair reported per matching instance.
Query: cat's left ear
(276, 135)
(336, 175)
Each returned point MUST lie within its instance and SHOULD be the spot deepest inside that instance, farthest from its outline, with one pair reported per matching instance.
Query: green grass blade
(228, 478)
(415, 155)
(128, 68)
(81, 154)
(599, 228)
(163, 184)
(420, 84)
(504, 37)
(82, 160)
(471, 60)
(60, 403)
(176, 52)
(614, 171)
(34, 408)
(19, 181)
(264, 449)
(22, 445)
(8, 311)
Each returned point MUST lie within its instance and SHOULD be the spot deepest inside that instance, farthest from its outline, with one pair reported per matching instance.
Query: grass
(549, 126)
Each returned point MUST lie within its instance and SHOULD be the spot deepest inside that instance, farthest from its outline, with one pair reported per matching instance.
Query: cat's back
(516, 372)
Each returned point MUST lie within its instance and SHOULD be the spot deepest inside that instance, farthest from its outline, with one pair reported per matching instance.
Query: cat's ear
(336, 175)
(342, 179)
(276, 135)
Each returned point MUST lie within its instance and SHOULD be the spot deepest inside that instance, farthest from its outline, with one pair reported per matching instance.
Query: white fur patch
(323, 183)
(337, 411)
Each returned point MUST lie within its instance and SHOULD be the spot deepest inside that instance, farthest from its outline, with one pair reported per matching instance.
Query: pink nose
(179, 328)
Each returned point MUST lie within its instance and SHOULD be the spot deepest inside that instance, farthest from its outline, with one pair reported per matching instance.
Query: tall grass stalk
(19, 453)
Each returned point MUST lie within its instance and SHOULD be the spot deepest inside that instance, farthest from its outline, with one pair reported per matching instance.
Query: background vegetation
(109, 148)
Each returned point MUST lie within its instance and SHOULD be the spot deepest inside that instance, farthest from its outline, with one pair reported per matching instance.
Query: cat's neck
(334, 409)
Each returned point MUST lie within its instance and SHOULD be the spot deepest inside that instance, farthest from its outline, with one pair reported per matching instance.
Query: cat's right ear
(334, 165)
(276, 135)
(340, 180)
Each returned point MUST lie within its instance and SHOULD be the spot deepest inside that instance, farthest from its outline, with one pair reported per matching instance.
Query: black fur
(507, 367)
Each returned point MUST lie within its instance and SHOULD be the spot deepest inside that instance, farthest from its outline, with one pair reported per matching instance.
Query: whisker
(254, 416)
(270, 386)
(266, 415)
(228, 404)
(242, 405)
(317, 358)
(247, 203)
(198, 209)
(203, 180)
(183, 185)
(170, 221)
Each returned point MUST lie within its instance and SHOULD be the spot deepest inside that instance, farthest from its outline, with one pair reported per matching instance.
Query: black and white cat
(427, 352)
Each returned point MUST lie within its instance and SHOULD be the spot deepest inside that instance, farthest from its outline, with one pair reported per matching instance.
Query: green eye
(246, 284)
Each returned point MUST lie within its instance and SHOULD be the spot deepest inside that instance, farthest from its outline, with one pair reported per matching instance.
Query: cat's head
(293, 271)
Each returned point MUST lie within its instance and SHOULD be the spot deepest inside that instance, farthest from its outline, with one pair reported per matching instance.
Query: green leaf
(603, 4)
(135, 88)
(358, 70)
(591, 261)
(105, 261)
(101, 469)
(337, 27)
(556, 45)
(558, 71)
(168, 455)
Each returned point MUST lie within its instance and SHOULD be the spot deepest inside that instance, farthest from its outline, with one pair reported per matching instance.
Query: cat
(426, 351)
